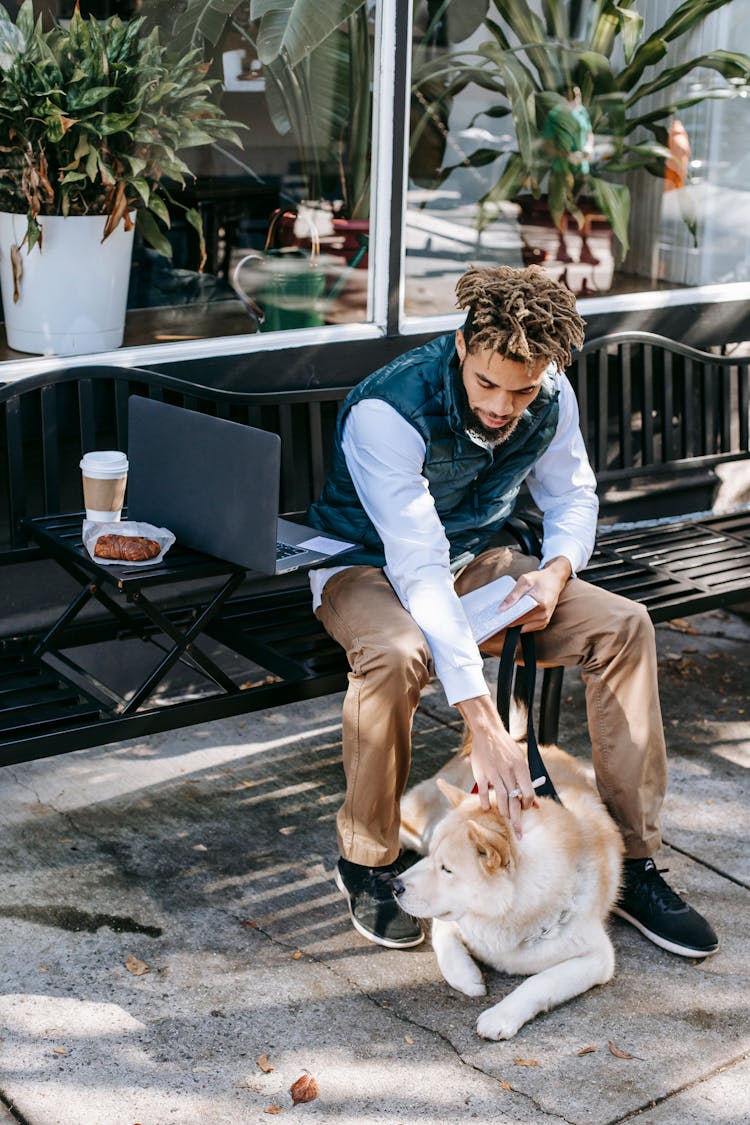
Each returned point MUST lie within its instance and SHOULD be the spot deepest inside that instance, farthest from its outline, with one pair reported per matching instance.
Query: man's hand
(497, 760)
(545, 586)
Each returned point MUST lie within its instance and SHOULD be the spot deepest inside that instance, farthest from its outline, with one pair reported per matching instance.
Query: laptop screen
(212, 482)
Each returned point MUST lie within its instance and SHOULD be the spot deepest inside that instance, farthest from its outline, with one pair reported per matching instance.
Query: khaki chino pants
(610, 637)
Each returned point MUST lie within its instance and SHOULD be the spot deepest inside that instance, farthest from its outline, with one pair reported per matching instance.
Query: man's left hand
(545, 586)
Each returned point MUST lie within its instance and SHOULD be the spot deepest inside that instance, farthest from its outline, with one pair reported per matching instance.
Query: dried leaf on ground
(526, 1062)
(505, 1086)
(275, 1108)
(60, 1050)
(586, 1051)
(617, 1052)
(264, 1064)
(408, 1039)
(305, 1089)
(136, 967)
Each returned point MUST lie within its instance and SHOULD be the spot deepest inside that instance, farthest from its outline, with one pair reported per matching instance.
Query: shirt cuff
(463, 683)
(569, 549)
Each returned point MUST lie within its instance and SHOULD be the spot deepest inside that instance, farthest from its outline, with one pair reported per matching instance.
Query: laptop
(215, 485)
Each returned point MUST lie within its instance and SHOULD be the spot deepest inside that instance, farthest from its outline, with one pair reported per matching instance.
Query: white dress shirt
(385, 457)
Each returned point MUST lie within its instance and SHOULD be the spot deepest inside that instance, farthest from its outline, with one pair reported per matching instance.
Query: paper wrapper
(161, 535)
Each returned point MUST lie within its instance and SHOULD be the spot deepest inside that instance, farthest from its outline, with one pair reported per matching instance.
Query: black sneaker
(374, 911)
(650, 904)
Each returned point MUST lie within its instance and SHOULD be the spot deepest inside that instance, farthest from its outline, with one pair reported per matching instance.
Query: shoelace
(378, 883)
(658, 889)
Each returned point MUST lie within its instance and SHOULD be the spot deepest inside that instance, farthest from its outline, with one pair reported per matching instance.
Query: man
(430, 453)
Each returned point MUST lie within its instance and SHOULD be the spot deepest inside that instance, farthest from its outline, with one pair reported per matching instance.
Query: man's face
(498, 390)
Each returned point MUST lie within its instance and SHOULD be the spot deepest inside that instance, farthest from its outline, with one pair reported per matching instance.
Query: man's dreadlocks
(521, 314)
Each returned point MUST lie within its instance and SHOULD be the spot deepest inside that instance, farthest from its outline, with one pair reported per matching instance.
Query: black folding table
(124, 591)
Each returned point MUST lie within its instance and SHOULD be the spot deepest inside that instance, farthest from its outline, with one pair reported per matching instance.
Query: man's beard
(475, 427)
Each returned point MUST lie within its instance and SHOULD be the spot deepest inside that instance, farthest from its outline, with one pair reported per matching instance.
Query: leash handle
(504, 693)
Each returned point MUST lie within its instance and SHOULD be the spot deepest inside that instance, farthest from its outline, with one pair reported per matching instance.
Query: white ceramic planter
(73, 293)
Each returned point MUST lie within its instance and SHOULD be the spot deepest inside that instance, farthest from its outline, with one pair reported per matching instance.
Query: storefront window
(288, 214)
(614, 177)
(285, 213)
(519, 150)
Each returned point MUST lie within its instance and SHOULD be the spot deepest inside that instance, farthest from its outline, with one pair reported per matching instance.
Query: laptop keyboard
(286, 550)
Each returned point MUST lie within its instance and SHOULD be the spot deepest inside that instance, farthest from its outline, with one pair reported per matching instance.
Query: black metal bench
(657, 417)
(45, 423)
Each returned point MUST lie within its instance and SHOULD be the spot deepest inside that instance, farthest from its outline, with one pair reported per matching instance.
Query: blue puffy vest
(474, 488)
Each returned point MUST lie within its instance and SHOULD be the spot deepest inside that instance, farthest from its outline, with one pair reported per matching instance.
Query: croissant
(129, 548)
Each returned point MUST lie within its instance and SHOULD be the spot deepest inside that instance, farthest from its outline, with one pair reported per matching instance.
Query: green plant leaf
(141, 186)
(293, 28)
(33, 234)
(730, 64)
(159, 208)
(557, 197)
(521, 96)
(200, 21)
(463, 19)
(149, 229)
(649, 54)
(194, 218)
(664, 112)
(12, 43)
(530, 31)
(631, 27)
(684, 18)
(613, 201)
(84, 100)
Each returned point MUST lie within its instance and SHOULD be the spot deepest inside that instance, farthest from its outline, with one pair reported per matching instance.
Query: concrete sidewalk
(168, 919)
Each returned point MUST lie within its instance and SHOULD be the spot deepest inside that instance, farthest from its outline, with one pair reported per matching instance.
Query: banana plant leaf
(292, 29)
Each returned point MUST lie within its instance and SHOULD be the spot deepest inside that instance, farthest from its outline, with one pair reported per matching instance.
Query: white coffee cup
(105, 475)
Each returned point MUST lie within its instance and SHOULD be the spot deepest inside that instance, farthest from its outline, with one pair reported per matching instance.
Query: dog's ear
(492, 844)
(452, 793)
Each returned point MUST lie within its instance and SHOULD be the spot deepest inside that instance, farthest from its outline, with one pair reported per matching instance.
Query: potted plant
(92, 122)
(575, 81)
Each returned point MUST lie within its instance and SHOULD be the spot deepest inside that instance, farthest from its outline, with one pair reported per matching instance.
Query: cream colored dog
(535, 906)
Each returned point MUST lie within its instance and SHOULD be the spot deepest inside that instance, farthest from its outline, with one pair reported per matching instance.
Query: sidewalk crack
(695, 1082)
(408, 1022)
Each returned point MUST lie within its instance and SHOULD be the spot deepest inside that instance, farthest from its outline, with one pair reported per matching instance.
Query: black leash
(504, 694)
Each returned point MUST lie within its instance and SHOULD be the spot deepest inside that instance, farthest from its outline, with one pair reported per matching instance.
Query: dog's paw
(465, 978)
(496, 1023)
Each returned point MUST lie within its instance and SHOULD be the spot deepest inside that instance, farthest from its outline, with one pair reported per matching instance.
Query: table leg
(74, 608)
(184, 643)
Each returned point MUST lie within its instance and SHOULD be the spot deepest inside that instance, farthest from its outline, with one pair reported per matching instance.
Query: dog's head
(472, 856)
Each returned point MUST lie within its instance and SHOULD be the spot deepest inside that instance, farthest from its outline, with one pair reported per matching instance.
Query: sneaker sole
(664, 943)
(388, 943)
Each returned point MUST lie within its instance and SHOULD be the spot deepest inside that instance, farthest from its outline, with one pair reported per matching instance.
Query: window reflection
(615, 177)
(286, 217)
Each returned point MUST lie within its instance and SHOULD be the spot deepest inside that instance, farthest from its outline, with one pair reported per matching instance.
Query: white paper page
(324, 545)
(480, 607)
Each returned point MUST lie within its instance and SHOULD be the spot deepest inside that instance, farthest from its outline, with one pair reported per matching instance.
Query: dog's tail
(518, 716)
